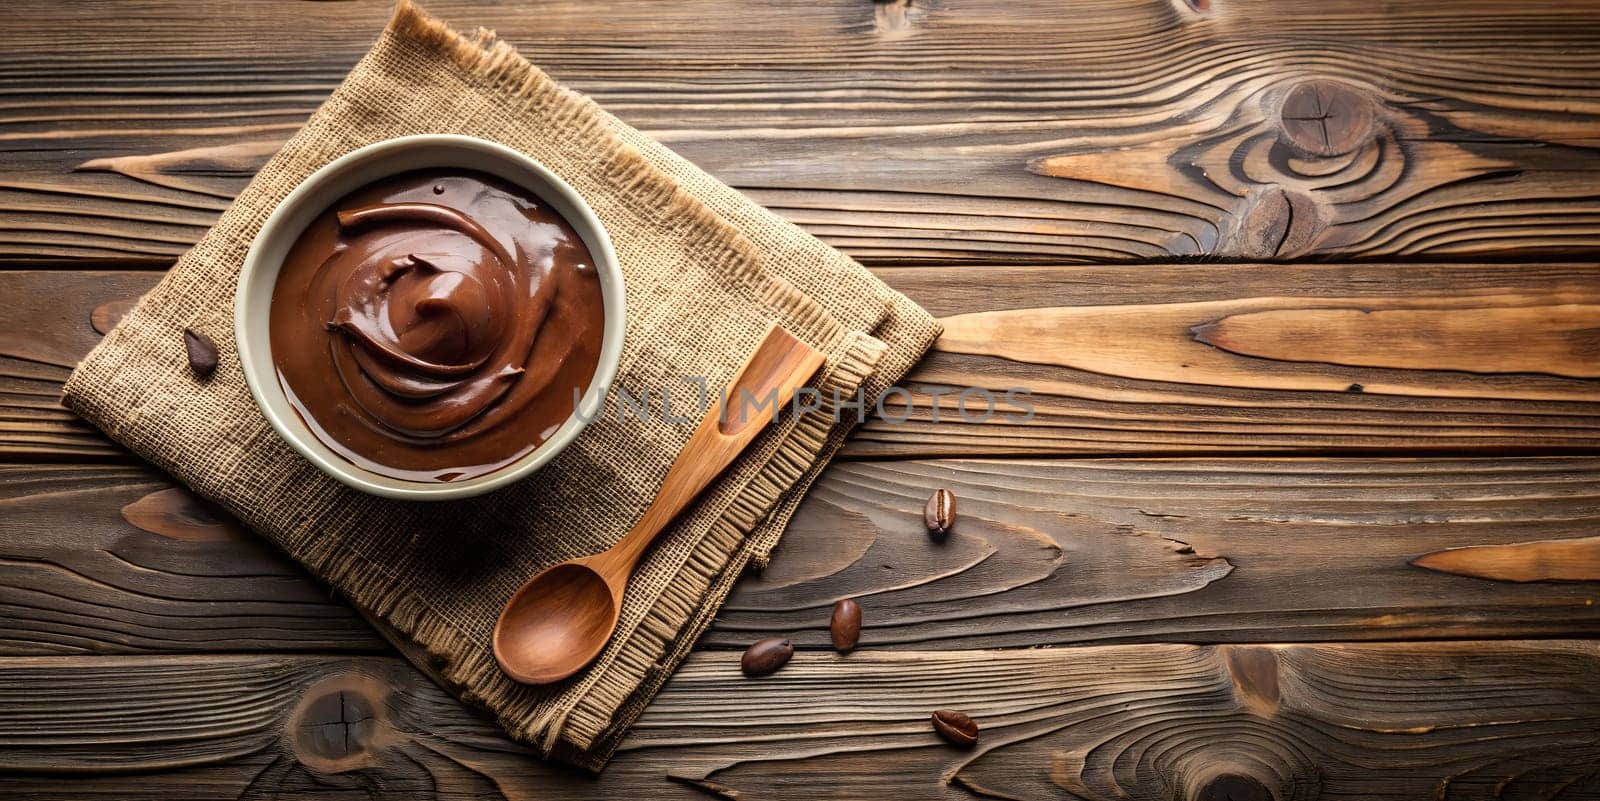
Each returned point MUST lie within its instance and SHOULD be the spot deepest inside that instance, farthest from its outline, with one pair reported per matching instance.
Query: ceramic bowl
(359, 168)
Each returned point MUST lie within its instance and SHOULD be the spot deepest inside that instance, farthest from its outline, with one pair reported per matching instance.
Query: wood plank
(112, 559)
(47, 324)
(1171, 359)
(1400, 721)
(1187, 550)
(1541, 560)
(902, 132)
(1118, 359)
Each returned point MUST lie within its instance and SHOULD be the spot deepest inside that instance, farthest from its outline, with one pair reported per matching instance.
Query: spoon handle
(777, 368)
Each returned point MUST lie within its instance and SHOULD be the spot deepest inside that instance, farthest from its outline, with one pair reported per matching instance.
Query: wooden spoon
(561, 619)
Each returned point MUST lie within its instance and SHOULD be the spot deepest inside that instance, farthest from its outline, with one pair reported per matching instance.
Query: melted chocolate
(436, 325)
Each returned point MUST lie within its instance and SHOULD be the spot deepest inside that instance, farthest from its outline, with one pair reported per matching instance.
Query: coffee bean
(766, 656)
(845, 628)
(940, 513)
(956, 727)
(202, 353)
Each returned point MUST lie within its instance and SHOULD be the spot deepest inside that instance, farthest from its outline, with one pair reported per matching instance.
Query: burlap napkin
(706, 270)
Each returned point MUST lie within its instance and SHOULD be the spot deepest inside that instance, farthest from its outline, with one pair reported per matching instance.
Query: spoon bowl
(555, 624)
(562, 618)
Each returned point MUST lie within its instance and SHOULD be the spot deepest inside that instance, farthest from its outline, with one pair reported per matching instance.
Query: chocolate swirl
(436, 325)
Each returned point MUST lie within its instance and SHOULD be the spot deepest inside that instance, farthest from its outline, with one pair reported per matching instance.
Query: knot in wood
(338, 724)
(1234, 787)
(1273, 222)
(1325, 118)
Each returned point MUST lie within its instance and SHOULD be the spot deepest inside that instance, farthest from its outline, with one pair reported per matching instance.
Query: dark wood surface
(115, 559)
(1305, 294)
(1145, 722)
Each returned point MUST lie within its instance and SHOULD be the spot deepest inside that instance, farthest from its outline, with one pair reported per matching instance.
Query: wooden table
(1305, 292)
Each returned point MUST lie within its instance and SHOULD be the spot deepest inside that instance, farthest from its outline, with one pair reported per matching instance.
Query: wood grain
(46, 326)
(113, 560)
(1224, 550)
(1577, 559)
(116, 560)
(1117, 359)
(1401, 721)
(1171, 359)
(903, 132)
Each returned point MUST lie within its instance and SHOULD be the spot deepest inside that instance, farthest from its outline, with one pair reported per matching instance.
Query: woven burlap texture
(706, 270)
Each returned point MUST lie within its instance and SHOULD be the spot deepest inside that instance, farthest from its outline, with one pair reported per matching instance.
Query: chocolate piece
(940, 512)
(202, 353)
(957, 728)
(436, 325)
(766, 656)
(845, 627)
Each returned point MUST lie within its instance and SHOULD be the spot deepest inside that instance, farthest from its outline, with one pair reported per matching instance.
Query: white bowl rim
(262, 379)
